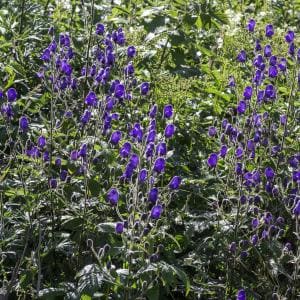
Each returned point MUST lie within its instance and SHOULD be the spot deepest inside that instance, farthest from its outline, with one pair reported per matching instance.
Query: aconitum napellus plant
(93, 144)
(256, 159)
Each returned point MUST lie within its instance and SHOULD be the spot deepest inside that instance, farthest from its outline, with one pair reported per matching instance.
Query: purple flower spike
(175, 183)
(212, 160)
(113, 196)
(156, 211)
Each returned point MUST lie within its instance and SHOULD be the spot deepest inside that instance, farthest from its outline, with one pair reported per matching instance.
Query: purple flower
(11, 94)
(292, 49)
(251, 25)
(269, 30)
(113, 196)
(169, 130)
(273, 72)
(239, 152)
(270, 92)
(145, 86)
(282, 64)
(86, 117)
(119, 227)
(242, 56)
(212, 131)
(247, 92)
(119, 91)
(149, 150)
(269, 173)
(254, 239)
(125, 150)
(134, 161)
(153, 111)
(46, 55)
(83, 150)
(268, 51)
(231, 81)
(116, 137)
(53, 183)
(212, 160)
(241, 295)
(283, 119)
(41, 141)
(223, 151)
(289, 37)
(74, 155)
(156, 211)
(58, 161)
(153, 195)
(296, 210)
(242, 106)
(23, 123)
(257, 45)
(255, 223)
(161, 148)
(143, 175)
(63, 175)
(91, 99)
(168, 111)
(100, 29)
(131, 51)
(296, 176)
(159, 165)
(174, 183)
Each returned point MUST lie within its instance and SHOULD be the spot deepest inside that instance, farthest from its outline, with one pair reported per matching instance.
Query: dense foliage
(149, 149)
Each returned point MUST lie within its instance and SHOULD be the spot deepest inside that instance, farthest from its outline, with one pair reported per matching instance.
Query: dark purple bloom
(11, 94)
(296, 210)
(168, 111)
(153, 195)
(151, 136)
(257, 45)
(53, 183)
(100, 29)
(58, 161)
(255, 223)
(134, 160)
(269, 30)
(242, 56)
(153, 111)
(292, 49)
(282, 64)
(231, 81)
(137, 132)
(143, 175)
(86, 117)
(293, 161)
(23, 123)
(161, 148)
(269, 173)
(119, 227)
(212, 160)
(296, 176)
(270, 92)
(74, 155)
(156, 211)
(129, 69)
(83, 150)
(242, 106)
(241, 295)
(212, 131)
(273, 72)
(119, 91)
(46, 55)
(91, 99)
(41, 141)
(159, 165)
(289, 37)
(268, 51)
(131, 51)
(247, 92)
(63, 175)
(169, 130)
(113, 196)
(251, 25)
(174, 183)
(116, 137)
(125, 150)
(223, 151)
(273, 60)
(145, 86)
(283, 119)
(254, 239)
(149, 150)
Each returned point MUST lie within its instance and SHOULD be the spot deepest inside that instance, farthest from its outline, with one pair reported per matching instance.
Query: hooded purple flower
(168, 111)
(119, 91)
(116, 137)
(161, 149)
(41, 141)
(296, 176)
(169, 130)
(145, 86)
(223, 151)
(242, 56)
(212, 160)
(156, 211)
(23, 123)
(289, 37)
(268, 51)
(53, 183)
(125, 150)
(153, 111)
(251, 25)
(242, 106)
(153, 195)
(131, 51)
(212, 131)
(91, 99)
(46, 55)
(74, 155)
(296, 210)
(119, 227)
(175, 183)
(269, 173)
(113, 196)
(159, 165)
(269, 30)
(100, 29)
(143, 175)
(241, 295)
(273, 72)
(11, 94)
(247, 92)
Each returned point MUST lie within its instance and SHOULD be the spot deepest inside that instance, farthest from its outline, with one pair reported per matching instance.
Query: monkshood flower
(125, 150)
(296, 210)
(269, 173)
(100, 29)
(131, 51)
(23, 124)
(116, 137)
(267, 51)
(169, 130)
(41, 141)
(168, 111)
(175, 183)
(113, 196)
(156, 211)
(11, 94)
(159, 165)
(251, 25)
(212, 131)
(289, 37)
(242, 56)
(269, 30)
(119, 227)
(145, 87)
(153, 111)
(143, 175)
(161, 149)
(212, 160)
(91, 99)
(53, 183)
